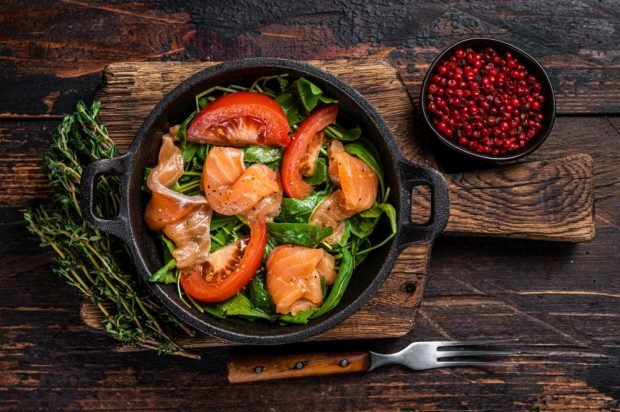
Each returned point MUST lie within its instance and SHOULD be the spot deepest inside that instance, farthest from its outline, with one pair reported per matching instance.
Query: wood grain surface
(561, 298)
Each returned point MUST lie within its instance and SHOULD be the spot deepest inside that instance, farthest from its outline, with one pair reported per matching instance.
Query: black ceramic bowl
(532, 66)
(129, 225)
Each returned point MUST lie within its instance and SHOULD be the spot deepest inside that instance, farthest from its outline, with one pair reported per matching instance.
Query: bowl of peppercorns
(488, 100)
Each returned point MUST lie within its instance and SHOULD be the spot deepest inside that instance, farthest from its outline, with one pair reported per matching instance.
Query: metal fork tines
(441, 354)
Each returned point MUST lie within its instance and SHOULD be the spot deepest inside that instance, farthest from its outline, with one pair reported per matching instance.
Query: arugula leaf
(344, 239)
(238, 305)
(261, 154)
(299, 210)
(219, 221)
(288, 103)
(391, 214)
(183, 128)
(340, 285)
(320, 173)
(362, 227)
(189, 150)
(282, 82)
(168, 245)
(308, 92)
(337, 132)
(374, 211)
(165, 274)
(259, 296)
(302, 234)
(327, 100)
(367, 152)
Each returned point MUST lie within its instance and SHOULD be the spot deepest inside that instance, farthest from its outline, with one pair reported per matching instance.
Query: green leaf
(219, 221)
(308, 92)
(299, 210)
(189, 150)
(327, 100)
(259, 296)
(183, 128)
(168, 245)
(261, 154)
(238, 305)
(166, 274)
(282, 82)
(337, 132)
(291, 107)
(340, 285)
(346, 235)
(367, 152)
(320, 173)
(300, 319)
(361, 227)
(374, 211)
(302, 234)
(391, 214)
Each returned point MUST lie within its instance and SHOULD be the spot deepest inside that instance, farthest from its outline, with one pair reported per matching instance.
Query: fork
(417, 356)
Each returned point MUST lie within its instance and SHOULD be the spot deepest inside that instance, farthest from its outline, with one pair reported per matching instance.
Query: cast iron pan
(400, 175)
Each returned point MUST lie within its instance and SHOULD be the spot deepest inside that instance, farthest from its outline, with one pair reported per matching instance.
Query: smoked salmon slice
(191, 237)
(232, 189)
(294, 277)
(358, 191)
(167, 206)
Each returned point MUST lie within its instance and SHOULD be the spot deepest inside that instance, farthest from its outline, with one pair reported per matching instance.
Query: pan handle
(412, 175)
(118, 225)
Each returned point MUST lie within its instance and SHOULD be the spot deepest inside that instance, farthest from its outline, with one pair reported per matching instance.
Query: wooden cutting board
(549, 200)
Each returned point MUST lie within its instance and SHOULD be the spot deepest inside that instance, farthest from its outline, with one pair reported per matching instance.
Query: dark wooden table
(563, 298)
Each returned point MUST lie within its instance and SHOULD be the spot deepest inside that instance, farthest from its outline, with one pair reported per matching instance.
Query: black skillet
(400, 175)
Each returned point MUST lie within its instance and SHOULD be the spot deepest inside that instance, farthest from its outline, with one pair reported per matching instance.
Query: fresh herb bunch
(298, 98)
(97, 264)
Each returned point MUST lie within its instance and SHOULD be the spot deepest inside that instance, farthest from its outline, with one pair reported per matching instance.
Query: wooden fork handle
(261, 368)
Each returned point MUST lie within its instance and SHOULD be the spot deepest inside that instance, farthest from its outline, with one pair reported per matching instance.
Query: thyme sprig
(96, 264)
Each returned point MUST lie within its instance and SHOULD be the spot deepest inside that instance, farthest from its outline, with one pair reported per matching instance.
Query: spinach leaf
(320, 173)
(238, 305)
(261, 154)
(301, 318)
(340, 285)
(302, 234)
(367, 152)
(337, 132)
(166, 274)
(308, 92)
(259, 296)
(299, 210)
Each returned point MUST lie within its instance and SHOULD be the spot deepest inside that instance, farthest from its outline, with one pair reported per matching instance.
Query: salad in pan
(265, 202)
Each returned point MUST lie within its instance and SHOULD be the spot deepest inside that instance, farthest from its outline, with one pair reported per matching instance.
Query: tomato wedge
(241, 119)
(229, 269)
(292, 180)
